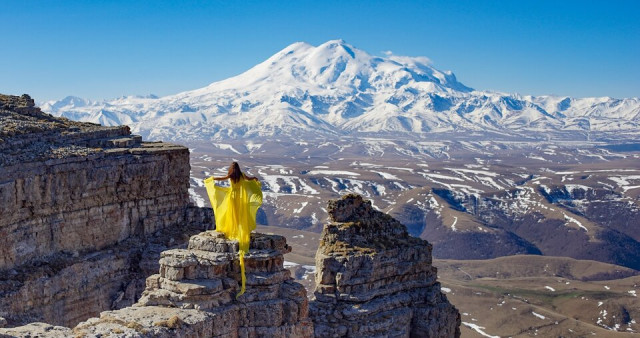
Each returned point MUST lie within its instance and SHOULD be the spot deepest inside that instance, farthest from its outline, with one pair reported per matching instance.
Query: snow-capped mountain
(336, 88)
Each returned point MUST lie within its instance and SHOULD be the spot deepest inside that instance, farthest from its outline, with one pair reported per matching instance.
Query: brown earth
(501, 295)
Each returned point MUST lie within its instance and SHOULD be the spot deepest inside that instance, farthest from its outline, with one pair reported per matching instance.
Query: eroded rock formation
(85, 212)
(374, 280)
(207, 275)
(194, 295)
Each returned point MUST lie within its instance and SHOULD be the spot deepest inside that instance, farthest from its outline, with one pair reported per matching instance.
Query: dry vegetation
(501, 295)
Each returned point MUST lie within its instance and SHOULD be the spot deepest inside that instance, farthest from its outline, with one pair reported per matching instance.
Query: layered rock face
(374, 280)
(69, 186)
(195, 296)
(79, 204)
(206, 277)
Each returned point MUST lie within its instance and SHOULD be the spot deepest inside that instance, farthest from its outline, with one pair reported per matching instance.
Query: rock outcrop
(374, 280)
(194, 295)
(80, 203)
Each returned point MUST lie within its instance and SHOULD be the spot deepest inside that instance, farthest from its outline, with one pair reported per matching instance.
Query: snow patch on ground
(364, 164)
(477, 172)
(288, 264)
(253, 146)
(479, 329)
(570, 219)
(538, 315)
(310, 271)
(196, 198)
(225, 146)
(624, 181)
(333, 173)
(293, 184)
(488, 181)
(400, 186)
(401, 168)
(297, 211)
(442, 177)
(386, 176)
(539, 158)
(197, 182)
(571, 187)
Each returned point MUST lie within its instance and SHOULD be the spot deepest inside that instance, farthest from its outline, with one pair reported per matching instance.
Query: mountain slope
(336, 88)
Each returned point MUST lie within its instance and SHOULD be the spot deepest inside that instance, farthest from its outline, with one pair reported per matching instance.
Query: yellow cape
(235, 211)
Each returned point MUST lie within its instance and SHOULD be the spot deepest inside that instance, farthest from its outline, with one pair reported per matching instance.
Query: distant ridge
(335, 88)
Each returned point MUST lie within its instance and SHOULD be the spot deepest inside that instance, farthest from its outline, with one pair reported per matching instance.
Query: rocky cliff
(374, 280)
(79, 204)
(88, 214)
(194, 295)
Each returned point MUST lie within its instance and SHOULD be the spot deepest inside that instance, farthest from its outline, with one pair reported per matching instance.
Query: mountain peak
(340, 66)
(336, 42)
(293, 48)
(340, 46)
(336, 88)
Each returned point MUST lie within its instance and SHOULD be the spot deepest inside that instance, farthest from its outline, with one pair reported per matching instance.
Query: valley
(493, 198)
(516, 296)
(529, 238)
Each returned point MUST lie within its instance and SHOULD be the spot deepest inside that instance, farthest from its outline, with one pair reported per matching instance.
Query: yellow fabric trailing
(235, 210)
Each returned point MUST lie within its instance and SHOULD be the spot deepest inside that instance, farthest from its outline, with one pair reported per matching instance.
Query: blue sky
(105, 49)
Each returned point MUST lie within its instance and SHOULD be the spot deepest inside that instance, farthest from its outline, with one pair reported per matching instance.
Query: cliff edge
(194, 295)
(85, 211)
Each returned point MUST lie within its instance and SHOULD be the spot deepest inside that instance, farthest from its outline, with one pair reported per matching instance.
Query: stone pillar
(195, 294)
(374, 280)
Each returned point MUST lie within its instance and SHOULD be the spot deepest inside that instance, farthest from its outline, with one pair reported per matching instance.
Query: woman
(235, 208)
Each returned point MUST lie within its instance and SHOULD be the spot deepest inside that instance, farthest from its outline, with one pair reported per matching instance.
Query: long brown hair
(234, 172)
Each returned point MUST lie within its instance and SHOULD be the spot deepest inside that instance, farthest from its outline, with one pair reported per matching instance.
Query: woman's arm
(250, 178)
(221, 178)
